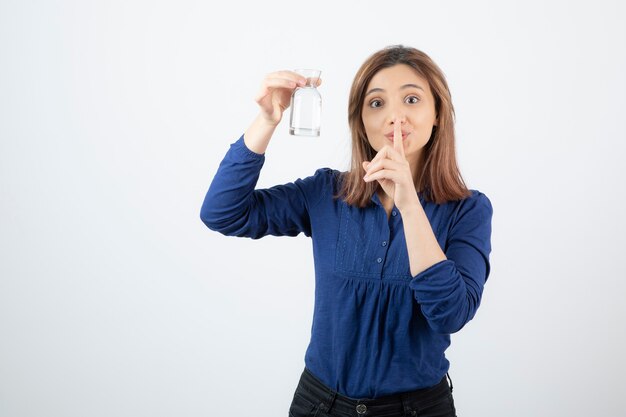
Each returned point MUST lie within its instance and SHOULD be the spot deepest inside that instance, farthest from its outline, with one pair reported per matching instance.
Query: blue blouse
(377, 330)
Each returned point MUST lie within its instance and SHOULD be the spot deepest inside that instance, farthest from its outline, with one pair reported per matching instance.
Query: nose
(396, 112)
(397, 116)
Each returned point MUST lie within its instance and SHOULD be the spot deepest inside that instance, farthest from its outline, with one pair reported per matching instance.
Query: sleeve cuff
(242, 152)
(434, 270)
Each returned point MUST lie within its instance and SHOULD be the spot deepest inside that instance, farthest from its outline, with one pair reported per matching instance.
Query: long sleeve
(233, 207)
(366, 300)
(449, 292)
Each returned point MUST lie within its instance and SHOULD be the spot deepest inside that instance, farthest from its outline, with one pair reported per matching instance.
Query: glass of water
(306, 106)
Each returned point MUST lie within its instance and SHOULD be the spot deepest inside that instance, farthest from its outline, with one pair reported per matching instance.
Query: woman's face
(398, 91)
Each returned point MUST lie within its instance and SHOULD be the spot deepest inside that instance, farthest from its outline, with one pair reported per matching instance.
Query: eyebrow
(404, 86)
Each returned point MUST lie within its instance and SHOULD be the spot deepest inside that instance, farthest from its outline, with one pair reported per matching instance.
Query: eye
(372, 103)
(417, 99)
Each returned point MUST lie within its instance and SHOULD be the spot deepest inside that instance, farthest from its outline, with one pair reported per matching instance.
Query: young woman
(401, 246)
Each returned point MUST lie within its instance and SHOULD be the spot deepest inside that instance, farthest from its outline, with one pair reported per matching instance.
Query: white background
(116, 300)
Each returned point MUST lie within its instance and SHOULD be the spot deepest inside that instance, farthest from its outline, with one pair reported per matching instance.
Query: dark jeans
(314, 399)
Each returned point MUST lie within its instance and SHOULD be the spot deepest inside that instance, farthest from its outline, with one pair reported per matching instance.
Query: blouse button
(379, 260)
(393, 213)
(384, 243)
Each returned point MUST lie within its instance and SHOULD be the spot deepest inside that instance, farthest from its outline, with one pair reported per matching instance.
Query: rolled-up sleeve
(449, 292)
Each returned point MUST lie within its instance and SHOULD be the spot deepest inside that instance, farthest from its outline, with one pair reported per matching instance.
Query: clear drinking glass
(306, 106)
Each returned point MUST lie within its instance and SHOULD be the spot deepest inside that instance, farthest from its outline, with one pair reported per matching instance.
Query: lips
(404, 135)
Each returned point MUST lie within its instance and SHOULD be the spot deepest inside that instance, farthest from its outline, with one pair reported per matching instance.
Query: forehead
(392, 78)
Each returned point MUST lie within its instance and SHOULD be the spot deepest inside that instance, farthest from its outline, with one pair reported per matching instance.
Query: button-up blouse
(377, 330)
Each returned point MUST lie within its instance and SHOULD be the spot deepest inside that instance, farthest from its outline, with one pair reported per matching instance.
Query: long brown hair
(440, 179)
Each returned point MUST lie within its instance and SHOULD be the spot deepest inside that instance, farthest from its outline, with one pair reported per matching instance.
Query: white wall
(116, 300)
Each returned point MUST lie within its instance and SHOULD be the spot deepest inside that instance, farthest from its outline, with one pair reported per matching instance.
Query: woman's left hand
(392, 171)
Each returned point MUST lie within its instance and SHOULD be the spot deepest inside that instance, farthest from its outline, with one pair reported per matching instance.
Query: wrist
(266, 123)
(258, 135)
(411, 207)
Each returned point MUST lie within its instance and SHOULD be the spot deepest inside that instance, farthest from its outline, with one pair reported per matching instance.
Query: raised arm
(232, 205)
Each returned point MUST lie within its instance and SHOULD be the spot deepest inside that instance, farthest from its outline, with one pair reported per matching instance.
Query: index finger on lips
(397, 137)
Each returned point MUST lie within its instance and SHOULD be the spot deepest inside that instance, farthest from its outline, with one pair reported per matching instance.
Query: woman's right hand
(275, 94)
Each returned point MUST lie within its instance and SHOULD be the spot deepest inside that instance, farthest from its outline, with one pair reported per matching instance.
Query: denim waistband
(317, 392)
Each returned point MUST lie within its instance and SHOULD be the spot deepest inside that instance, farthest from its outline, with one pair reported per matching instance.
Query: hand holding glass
(306, 106)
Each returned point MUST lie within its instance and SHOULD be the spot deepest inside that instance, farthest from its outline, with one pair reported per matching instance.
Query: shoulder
(478, 199)
(322, 176)
(476, 206)
(319, 184)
